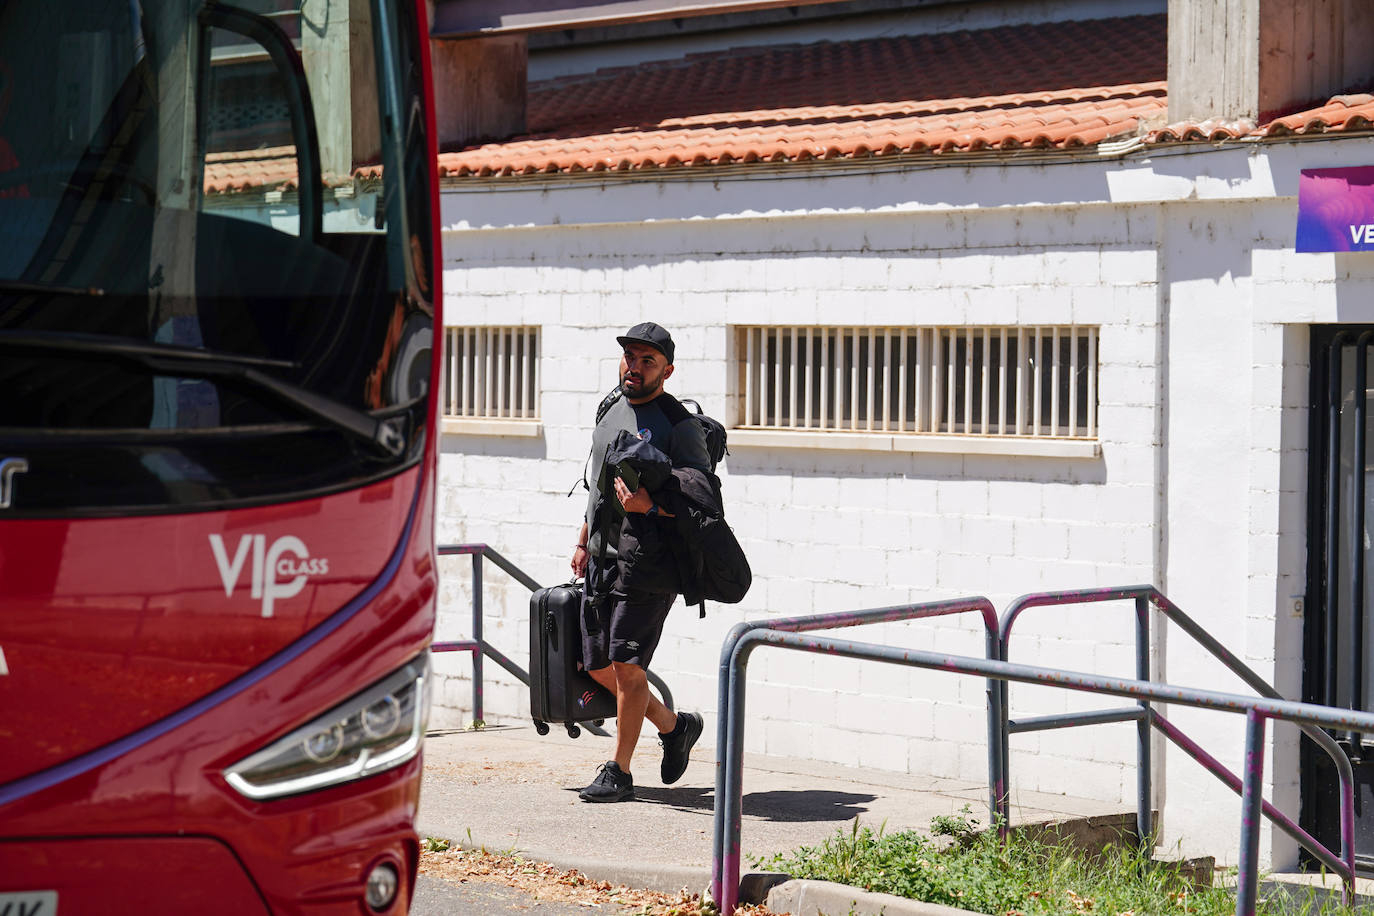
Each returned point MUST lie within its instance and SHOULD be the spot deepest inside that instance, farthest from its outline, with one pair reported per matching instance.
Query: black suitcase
(560, 690)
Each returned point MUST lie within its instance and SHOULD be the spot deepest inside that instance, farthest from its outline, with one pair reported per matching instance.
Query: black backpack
(715, 433)
(722, 569)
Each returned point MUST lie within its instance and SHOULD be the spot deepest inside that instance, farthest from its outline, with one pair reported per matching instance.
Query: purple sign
(1336, 209)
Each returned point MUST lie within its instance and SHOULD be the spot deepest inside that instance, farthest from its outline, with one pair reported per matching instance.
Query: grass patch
(969, 868)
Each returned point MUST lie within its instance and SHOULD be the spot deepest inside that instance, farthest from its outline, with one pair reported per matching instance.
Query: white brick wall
(1200, 487)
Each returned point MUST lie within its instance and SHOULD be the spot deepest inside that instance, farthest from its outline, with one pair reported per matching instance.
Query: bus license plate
(28, 903)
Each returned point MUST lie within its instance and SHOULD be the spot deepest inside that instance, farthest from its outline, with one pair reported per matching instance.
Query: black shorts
(623, 628)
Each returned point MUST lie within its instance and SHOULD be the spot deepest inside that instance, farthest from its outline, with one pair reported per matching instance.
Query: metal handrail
(479, 647)
(1146, 717)
(725, 868)
(730, 728)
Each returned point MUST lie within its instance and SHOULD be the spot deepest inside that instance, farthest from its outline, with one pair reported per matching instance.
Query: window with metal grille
(491, 372)
(968, 381)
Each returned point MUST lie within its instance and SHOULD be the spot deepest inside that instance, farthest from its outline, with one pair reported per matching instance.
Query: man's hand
(580, 554)
(638, 501)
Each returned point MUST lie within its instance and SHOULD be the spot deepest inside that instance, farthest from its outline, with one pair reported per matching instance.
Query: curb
(823, 898)
(778, 892)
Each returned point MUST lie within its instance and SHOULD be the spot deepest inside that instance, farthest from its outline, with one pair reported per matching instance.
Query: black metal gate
(1340, 594)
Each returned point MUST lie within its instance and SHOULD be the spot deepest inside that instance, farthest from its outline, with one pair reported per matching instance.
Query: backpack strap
(672, 409)
(601, 410)
(604, 518)
(607, 403)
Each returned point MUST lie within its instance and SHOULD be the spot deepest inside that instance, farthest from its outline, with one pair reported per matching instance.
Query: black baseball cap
(649, 333)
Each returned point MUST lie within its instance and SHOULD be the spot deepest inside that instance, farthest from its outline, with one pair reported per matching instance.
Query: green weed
(972, 869)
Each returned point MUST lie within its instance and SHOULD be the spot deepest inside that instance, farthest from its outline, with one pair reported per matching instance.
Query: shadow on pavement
(778, 805)
(798, 805)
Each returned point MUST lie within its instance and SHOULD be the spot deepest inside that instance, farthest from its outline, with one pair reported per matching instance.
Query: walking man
(621, 628)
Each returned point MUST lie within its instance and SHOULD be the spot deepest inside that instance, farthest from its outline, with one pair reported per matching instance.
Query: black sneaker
(677, 746)
(612, 784)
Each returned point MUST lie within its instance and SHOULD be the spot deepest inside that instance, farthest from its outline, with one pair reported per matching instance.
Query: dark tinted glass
(195, 248)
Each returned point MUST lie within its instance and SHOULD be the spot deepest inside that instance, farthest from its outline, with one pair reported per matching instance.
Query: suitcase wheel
(599, 722)
(541, 727)
(574, 731)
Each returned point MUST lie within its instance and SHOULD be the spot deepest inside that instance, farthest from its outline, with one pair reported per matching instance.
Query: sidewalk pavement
(507, 789)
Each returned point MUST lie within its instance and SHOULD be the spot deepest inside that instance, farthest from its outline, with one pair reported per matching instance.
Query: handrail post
(1252, 798)
(997, 725)
(724, 687)
(1144, 810)
(477, 710)
(1004, 739)
(732, 804)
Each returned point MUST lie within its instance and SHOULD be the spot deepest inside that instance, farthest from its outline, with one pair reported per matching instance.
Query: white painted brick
(1075, 502)
(787, 596)
(1042, 305)
(1096, 544)
(1015, 499)
(819, 706)
(882, 752)
(1126, 504)
(838, 596)
(1129, 266)
(1130, 345)
(1070, 266)
(964, 575)
(992, 537)
(994, 305)
(863, 566)
(918, 272)
(1045, 540)
(885, 530)
(1129, 424)
(913, 569)
(791, 739)
(938, 758)
(837, 527)
(962, 497)
(965, 269)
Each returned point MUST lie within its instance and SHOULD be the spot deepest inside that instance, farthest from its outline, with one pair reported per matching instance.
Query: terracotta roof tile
(1056, 86)
(272, 169)
(1341, 114)
(1053, 86)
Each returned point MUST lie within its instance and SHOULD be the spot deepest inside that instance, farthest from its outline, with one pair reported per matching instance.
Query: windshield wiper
(26, 286)
(388, 433)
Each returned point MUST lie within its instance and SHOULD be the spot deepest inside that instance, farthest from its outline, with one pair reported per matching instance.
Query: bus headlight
(375, 730)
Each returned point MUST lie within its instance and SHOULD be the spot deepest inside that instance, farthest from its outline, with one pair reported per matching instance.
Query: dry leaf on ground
(547, 882)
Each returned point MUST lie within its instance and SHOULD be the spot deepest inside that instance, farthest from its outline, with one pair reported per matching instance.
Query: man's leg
(634, 701)
(634, 627)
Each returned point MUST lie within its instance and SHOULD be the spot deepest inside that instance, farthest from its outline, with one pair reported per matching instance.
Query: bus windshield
(210, 291)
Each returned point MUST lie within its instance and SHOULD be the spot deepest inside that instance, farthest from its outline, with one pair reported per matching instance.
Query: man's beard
(641, 388)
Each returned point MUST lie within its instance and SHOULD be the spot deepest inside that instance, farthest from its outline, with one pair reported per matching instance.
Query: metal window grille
(967, 381)
(492, 372)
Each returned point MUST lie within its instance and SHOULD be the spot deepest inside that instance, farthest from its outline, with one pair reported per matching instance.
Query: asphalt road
(437, 897)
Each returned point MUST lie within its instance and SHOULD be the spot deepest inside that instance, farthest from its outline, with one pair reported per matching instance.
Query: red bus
(218, 425)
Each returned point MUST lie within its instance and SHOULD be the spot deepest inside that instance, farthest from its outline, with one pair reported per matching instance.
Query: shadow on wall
(804, 463)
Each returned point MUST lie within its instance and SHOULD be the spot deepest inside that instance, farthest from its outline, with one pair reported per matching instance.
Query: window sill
(482, 426)
(907, 442)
